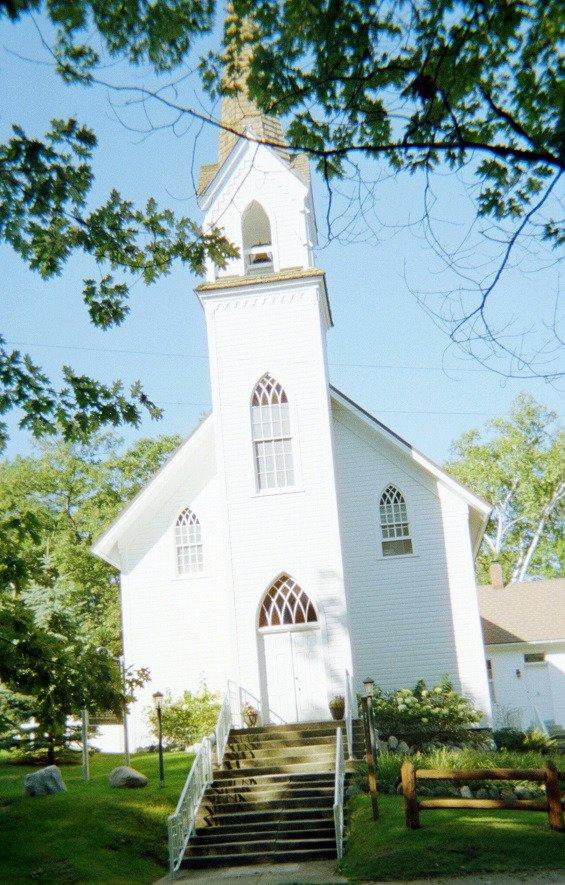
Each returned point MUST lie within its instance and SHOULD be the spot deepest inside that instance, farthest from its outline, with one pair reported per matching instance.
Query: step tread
(225, 859)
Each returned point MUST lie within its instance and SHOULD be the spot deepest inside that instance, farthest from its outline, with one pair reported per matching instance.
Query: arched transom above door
(286, 604)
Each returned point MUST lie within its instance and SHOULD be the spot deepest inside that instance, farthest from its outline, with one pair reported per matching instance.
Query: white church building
(293, 537)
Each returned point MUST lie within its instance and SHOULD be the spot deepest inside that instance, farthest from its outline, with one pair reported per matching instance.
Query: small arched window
(394, 523)
(256, 239)
(272, 442)
(188, 541)
(285, 604)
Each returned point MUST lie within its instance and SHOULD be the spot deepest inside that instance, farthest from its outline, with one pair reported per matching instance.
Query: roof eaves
(102, 546)
(425, 462)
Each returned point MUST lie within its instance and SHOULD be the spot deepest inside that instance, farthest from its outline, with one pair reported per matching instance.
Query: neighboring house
(292, 537)
(524, 633)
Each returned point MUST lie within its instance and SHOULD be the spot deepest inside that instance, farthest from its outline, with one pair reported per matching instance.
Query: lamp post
(369, 689)
(158, 702)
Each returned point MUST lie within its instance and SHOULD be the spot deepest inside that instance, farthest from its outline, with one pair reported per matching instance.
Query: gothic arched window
(286, 604)
(272, 442)
(256, 240)
(394, 523)
(188, 542)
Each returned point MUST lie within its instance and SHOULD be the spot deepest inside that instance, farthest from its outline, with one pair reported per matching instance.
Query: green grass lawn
(449, 843)
(91, 833)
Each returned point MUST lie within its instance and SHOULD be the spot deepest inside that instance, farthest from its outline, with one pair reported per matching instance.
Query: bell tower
(267, 314)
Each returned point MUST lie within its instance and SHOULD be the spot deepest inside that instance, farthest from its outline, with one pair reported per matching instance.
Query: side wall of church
(177, 627)
(413, 616)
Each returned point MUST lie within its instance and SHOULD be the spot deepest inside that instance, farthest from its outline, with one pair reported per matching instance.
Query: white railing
(223, 727)
(180, 825)
(338, 792)
(350, 712)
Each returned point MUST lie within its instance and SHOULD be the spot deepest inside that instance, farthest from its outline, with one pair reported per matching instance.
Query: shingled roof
(529, 611)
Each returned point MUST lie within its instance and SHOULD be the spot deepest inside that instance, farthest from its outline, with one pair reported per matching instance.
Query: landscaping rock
(43, 782)
(383, 746)
(403, 748)
(507, 796)
(522, 792)
(465, 792)
(123, 776)
(393, 742)
(482, 793)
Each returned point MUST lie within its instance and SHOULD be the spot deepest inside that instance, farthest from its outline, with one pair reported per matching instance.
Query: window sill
(195, 576)
(399, 556)
(284, 490)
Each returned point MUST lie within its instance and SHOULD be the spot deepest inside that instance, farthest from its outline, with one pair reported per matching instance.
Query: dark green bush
(512, 739)
(423, 716)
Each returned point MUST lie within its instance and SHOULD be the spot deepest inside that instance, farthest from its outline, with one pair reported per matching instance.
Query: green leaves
(421, 84)
(44, 190)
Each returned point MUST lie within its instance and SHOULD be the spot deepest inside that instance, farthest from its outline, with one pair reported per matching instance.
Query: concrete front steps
(272, 801)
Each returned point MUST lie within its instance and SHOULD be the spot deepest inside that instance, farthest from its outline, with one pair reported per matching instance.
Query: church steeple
(239, 114)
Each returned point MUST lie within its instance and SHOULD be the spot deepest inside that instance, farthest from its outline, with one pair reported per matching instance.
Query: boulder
(44, 781)
(393, 742)
(522, 792)
(123, 776)
(482, 793)
(465, 792)
(507, 795)
(403, 748)
(383, 746)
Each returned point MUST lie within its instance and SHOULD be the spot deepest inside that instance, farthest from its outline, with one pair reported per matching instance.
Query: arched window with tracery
(394, 523)
(256, 239)
(188, 542)
(272, 440)
(286, 604)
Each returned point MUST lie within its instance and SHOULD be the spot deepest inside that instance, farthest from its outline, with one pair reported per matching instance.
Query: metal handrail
(224, 724)
(180, 824)
(339, 792)
(348, 713)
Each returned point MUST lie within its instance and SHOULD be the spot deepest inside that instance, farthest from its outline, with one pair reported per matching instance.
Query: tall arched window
(272, 442)
(394, 523)
(188, 541)
(285, 604)
(256, 239)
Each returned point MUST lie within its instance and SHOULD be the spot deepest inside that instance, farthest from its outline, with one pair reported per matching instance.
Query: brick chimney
(496, 579)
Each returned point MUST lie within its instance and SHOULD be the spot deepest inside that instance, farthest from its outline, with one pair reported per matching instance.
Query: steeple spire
(239, 114)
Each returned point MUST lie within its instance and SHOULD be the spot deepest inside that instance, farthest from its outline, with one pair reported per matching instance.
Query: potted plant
(337, 707)
(250, 715)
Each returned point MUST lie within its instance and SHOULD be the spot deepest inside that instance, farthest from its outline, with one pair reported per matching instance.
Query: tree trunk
(523, 564)
(51, 759)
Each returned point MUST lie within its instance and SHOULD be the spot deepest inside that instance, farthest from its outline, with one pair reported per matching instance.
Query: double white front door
(295, 672)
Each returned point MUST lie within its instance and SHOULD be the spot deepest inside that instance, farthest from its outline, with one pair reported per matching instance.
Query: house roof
(528, 611)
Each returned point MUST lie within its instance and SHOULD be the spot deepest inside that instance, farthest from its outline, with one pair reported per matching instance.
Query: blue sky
(385, 351)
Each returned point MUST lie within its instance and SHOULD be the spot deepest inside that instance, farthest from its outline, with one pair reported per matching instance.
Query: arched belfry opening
(256, 240)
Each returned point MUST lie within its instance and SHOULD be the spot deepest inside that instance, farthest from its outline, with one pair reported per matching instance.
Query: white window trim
(285, 628)
(187, 576)
(297, 486)
(409, 537)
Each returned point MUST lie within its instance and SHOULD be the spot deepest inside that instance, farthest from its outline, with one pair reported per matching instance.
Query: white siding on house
(415, 615)
(513, 695)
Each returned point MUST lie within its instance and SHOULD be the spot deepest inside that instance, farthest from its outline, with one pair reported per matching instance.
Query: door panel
(309, 675)
(536, 677)
(280, 676)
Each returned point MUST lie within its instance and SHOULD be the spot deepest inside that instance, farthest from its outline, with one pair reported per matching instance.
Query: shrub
(187, 720)
(422, 715)
(535, 740)
(337, 707)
